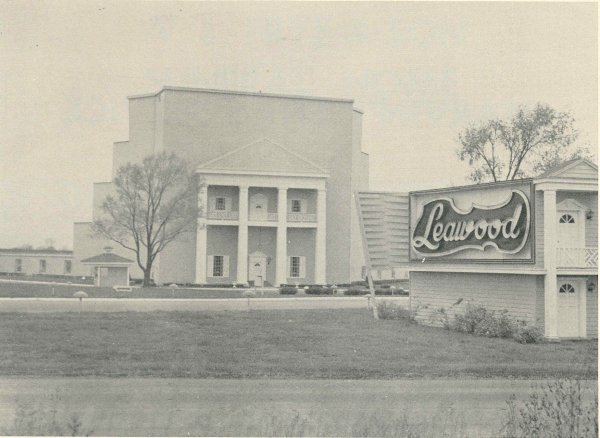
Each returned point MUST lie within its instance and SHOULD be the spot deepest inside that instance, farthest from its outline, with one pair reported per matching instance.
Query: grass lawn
(28, 290)
(338, 344)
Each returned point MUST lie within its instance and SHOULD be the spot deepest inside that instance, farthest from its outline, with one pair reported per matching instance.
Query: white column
(281, 273)
(201, 234)
(320, 244)
(550, 244)
(242, 252)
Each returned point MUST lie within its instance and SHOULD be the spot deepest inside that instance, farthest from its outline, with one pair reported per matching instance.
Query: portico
(251, 220)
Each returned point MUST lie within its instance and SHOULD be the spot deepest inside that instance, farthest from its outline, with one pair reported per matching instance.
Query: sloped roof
(49, 251)
(264, 156)
(106, 258)
(578, 166)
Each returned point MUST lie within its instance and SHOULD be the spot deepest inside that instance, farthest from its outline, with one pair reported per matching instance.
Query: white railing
(301, 217)
(223, 215)
(268, 217)
(577, 257)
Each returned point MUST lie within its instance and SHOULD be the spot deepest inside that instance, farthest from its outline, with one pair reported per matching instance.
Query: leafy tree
(154, 202)
(533, 141)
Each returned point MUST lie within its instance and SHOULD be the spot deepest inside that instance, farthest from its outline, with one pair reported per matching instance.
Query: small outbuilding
(109, 269)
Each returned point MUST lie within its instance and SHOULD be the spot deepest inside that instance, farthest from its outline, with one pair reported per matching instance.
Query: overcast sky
(420, 72)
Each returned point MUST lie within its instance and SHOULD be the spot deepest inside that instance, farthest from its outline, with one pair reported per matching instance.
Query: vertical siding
(592, 311)
(177, 262)
(431, 291)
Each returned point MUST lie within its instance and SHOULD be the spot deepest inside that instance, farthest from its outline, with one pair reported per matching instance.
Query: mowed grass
(29, 290)
(338, 344)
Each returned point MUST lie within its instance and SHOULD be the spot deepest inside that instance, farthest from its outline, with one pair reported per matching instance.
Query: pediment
(570, 204)
(576, 169)
(263, 156)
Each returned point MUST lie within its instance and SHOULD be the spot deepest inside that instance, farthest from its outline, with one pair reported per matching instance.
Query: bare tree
(155, 202)
(533, 141)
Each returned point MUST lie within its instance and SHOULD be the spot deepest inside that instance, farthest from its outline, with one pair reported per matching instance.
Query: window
(294, 267)
(220, 204)
(566, 288)
(42, 266)
(67, 266)
(18, 265)
(218, 266)
(566, 219)
(296, 206)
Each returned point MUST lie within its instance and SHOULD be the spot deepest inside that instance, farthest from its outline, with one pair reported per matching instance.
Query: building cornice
(240, 93)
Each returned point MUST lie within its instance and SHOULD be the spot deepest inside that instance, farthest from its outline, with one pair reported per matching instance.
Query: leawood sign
(496, 231)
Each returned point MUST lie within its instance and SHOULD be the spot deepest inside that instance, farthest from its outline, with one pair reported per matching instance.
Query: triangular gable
(574, 169)
(263, 156)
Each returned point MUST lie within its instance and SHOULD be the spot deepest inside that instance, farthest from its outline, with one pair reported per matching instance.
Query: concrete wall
(177, 262)
(301, 242)
(30, 263)
(222, 240)
(514, 293)
(201, 126)
(264, 239)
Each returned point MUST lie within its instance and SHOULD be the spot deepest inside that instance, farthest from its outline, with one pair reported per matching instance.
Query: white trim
(262, 173)
(107, 264)
(22, 255)
(475, 270)
(566, 185)
(242, 93)
(571, 204)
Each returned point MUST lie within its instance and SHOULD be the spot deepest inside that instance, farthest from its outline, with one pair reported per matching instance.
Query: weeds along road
(148, 406)
(200, 304)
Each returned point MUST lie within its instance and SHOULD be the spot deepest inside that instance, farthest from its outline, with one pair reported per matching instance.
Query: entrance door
(257, 269)
(569, 230)
(568, 308)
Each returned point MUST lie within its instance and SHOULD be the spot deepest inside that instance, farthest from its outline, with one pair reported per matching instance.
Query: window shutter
(225, 266)
(289, 210)
(289, 267)
(302, 267)
(210, 264)
(212, 204)
(303, 206)
(227, 204)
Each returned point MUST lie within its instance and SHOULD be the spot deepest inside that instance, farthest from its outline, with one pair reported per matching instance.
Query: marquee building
(529, 247)
(279, 172)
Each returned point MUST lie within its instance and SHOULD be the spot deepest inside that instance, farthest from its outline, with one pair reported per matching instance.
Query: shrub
(288, 290)
(388, 310)
(527, 334)
(495, 325)
(470, 319)
(318, 290)
(356, 290)
(556, 409)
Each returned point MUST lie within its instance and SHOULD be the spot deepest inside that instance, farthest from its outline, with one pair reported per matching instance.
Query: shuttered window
(218, 266)
(297, 267)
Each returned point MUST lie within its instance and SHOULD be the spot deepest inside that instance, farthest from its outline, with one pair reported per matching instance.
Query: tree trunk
(147, 273)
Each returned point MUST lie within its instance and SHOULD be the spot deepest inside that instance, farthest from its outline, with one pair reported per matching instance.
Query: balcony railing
(301, 217)
(268, 217)
(577, 257)
(223, 215)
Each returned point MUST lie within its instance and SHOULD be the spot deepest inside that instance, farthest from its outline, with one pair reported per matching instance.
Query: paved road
(144, 305)
(147, 406)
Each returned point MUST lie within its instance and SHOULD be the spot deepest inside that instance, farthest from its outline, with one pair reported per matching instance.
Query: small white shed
(109, 269)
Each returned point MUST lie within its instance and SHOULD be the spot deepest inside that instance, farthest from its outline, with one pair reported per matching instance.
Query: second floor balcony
(223, 215)
(577, 257)
(301, 217)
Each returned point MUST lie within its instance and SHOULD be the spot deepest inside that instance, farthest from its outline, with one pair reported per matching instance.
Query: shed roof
(106, 258)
